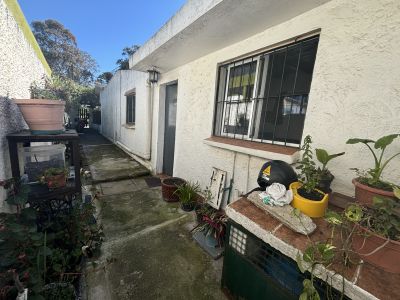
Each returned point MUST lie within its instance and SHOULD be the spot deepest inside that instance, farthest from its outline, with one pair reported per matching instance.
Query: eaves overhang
(202, 27)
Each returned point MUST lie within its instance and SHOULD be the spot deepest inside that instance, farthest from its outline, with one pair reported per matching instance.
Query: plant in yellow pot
(306, 197)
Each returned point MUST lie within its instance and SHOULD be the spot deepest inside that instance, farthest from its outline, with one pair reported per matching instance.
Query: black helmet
(276, 171)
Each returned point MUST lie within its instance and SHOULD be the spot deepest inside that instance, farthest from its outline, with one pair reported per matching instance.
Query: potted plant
(43, 113)
(55, 177)
(369, 184)
(213, 226)
(187, 194)
(169, 186)
(306, 197)
(378, 238)
(325, 177)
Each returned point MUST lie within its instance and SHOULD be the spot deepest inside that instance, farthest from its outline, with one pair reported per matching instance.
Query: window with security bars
(130, 108)
(264, 98)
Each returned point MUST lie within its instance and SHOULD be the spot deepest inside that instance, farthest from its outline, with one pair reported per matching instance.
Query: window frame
(240, 61)
(127, 121)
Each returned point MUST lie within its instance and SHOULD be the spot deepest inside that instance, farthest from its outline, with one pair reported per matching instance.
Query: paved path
(148, 252)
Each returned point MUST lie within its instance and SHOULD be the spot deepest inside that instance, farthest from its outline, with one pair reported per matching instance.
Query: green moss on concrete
(129, 213)
(19, 17)
(164, 264)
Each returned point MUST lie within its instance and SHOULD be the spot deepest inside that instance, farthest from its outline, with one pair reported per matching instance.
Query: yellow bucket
(313, 209)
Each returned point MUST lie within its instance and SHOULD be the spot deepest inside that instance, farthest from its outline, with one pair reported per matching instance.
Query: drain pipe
(150, 93)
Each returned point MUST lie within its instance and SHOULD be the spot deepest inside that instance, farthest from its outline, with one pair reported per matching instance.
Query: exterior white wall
(354, 93)
(19, 63)
(113, 111)
(19, 67)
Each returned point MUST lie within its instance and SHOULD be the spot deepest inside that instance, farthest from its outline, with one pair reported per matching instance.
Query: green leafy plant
(308, 172)
(43, 254)
(383, 218)
(373, 176)
(337, 249)
(324, 158)
(213, 222)
(55, 171)
(188, 192)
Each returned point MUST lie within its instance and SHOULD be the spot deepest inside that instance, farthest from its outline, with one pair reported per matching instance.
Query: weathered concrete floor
(109, 163)
(148, 252)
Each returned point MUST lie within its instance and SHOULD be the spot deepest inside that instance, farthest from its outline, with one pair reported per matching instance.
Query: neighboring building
(239, 76)
(124, 120)
(21, 63)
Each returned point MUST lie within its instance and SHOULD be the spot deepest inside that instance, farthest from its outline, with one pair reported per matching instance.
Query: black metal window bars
(264, 98)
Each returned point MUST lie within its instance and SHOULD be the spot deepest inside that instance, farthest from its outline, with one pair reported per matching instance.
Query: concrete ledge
(270, 237)
(267, 151)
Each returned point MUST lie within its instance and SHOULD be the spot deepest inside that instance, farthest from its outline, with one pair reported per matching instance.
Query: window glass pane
(241, 81)
(296, 118)
(292, 60)
(276, 74)
(133, 107)
(307, 59)
(130, 109)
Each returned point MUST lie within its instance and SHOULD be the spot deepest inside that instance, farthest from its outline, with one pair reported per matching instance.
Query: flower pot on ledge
(311, 208)
(386, 256)
(364, 193)
(43, 116)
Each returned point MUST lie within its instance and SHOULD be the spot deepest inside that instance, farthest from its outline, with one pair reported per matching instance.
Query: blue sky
(104, 27)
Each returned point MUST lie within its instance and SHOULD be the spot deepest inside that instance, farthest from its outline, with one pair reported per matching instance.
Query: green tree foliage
(74, 94)
(123, 63)
(104, 77)
(61, 51)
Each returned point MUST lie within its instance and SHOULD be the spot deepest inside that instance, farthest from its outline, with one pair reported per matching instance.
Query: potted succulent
(169, 186)
(187, 194)
(369, 184)
(306, 196)
(43, 113)
(55, 177)
(378, 239)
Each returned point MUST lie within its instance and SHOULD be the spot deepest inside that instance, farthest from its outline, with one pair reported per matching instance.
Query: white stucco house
(242, 82)
(21, 63)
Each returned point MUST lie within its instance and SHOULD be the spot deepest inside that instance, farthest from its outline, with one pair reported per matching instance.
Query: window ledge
(129, 126)
(267, 151)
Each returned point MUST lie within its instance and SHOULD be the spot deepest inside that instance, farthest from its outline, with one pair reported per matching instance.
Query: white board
(217, 188)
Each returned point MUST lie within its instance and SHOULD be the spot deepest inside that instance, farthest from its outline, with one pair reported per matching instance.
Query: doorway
(171, 93)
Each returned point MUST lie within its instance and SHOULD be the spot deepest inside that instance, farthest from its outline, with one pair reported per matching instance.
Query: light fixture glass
(153, 75)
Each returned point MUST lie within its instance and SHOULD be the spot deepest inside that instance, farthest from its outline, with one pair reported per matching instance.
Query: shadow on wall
(11, 120)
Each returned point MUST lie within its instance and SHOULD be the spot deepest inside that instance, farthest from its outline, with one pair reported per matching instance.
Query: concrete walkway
(148, 252)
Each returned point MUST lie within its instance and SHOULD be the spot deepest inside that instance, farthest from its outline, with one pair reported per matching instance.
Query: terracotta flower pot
(387, 258)
(43, 116)
(364, 193)
(168, 188)
(56, 181)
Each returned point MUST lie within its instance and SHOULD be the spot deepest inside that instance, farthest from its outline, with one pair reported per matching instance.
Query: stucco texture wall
(113, 106)
(21, 63)
(354, 93)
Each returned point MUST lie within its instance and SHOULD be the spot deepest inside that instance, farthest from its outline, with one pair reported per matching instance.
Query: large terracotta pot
(168, 188)
(43, 116)
(387, 258)
(364, 193)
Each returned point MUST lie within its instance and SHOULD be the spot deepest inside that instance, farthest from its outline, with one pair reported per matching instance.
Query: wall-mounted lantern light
(153, 75)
